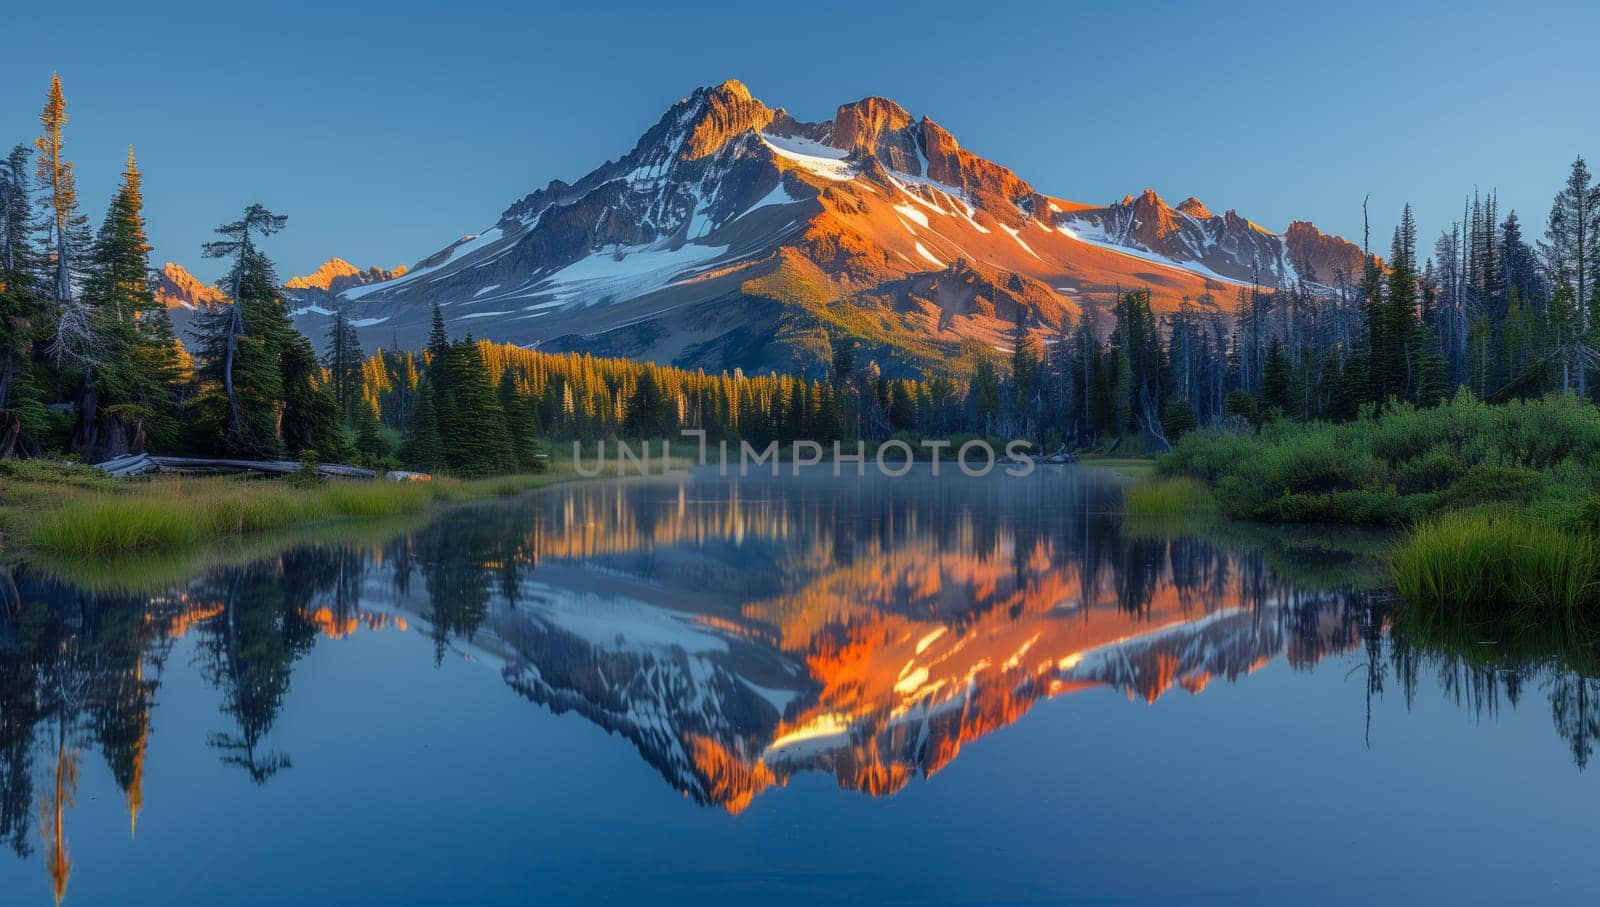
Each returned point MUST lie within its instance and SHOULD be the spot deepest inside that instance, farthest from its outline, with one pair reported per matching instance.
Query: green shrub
(1392, 468)
(1243, 497)
(1316, 463)
(1434, 470)
(1485, 484)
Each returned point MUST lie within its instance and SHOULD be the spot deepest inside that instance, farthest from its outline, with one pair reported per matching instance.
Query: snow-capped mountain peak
(729, 218)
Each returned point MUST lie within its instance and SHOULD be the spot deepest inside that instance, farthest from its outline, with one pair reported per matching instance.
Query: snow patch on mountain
(462, 249)
(1092, 234)
(813, 157)
(912, 213)
(624, 273)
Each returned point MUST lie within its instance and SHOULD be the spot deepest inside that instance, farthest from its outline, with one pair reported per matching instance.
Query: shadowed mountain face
(733, 235)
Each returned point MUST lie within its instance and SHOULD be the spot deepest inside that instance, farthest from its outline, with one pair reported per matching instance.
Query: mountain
(1224, 245)
(734, 235)
(311, 294)
(176, 288)
(333, 277)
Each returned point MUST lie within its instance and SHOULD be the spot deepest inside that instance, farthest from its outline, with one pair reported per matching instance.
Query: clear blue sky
(384, 130)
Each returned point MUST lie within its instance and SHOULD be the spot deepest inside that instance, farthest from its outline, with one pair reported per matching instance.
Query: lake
(790, 690)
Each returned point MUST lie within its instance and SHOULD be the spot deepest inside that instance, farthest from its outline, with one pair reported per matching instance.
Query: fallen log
(128, 465)
(141, 464)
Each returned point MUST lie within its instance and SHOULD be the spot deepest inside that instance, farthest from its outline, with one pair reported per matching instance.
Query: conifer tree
(1392, 314)
(1276, 395)
(371, 446)
(985, 396)
(240, 358)
(309, 424)
(261, 393)
(1352, 388)
(1572, 254)
(1025, 361)
(1178, 419)
(648, 415)
(344, 361)
(75, 342)
(438, 347)
(66, 230)
(21, 411)
(471, 423)
(423, 447)
(141, 359)
(519, 415)
(1522, 271)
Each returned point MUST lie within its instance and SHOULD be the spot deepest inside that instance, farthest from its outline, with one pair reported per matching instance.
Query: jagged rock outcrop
(337, 275)
(1321, 257)
(175, 287)
(878, 128)
(1227, 245)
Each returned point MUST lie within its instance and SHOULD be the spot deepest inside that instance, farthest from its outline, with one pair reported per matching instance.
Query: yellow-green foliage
(104, 525)
(1168, 498)
(171, 513)
(139, 571)
(110, 516)
(376, 499)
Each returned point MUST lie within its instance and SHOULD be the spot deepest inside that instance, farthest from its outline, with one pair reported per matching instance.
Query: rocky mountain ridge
(734, 235)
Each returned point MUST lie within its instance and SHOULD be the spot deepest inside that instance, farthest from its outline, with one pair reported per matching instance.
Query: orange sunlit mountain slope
(734, 235)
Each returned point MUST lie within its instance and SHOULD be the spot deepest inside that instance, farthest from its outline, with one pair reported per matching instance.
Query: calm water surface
(778, 691)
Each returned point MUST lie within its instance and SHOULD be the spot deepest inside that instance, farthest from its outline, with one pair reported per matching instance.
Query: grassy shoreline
(1499, 506)
(67, 512)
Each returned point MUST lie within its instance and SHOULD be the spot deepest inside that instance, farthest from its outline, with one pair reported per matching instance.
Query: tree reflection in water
(736, 633)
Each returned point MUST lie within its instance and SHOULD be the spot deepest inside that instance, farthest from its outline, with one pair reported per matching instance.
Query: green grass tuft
(101, 526)
(177, 513)
(1168, 498)
(1501, 563)
(376, 499)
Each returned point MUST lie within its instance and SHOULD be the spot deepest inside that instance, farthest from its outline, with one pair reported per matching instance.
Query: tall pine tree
(21, 411)
(141, 363)
(1572, 254)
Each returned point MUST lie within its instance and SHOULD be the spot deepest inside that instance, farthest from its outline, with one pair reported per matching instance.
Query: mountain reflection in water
(736, 632)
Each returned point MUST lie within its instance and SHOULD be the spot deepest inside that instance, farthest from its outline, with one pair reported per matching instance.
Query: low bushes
(1503, 503)
(1405, 464)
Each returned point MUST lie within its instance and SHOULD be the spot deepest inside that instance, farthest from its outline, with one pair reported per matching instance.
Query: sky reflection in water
(792, 690)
